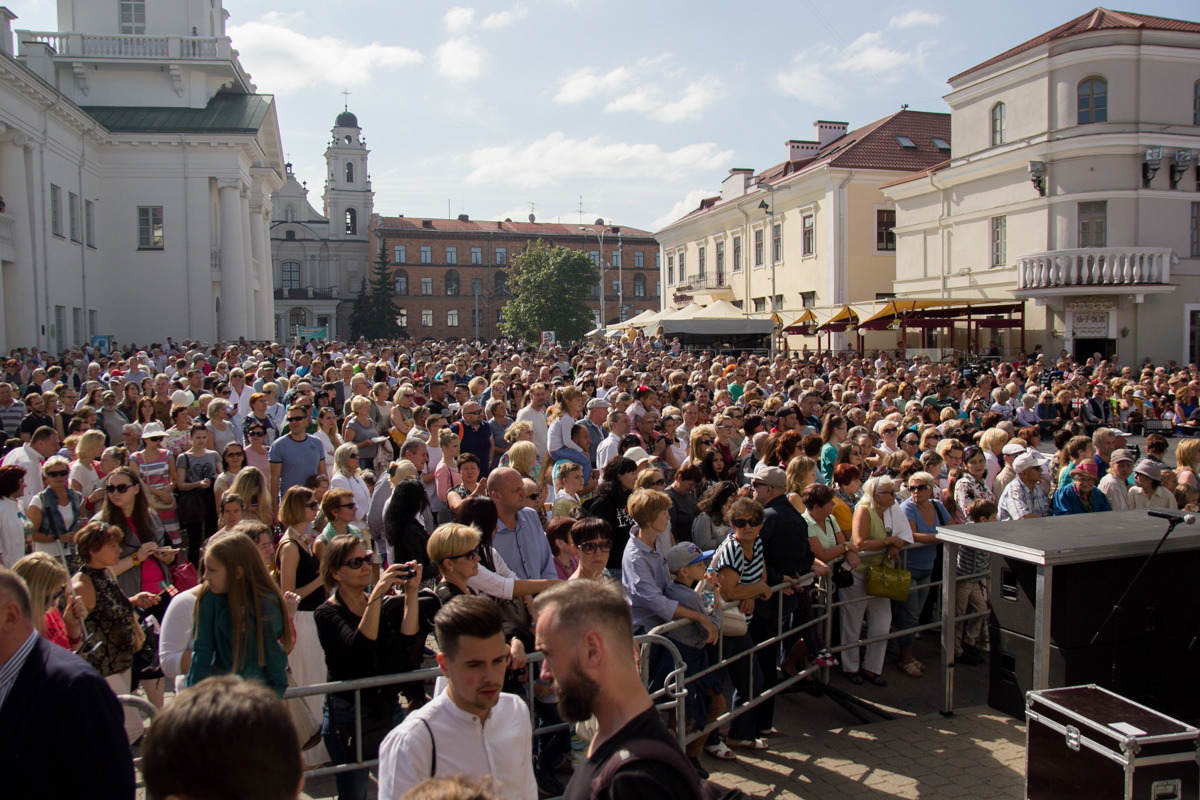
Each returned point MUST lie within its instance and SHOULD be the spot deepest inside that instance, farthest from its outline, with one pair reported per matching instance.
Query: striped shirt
(10, 669)
(730, 555)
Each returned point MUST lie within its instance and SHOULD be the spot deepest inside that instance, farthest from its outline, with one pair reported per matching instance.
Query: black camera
(405, 572)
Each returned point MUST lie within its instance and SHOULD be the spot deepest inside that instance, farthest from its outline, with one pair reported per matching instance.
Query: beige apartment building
(812, 232)
(1072, 184)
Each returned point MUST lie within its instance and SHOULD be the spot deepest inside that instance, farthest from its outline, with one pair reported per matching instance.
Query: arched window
(289, 213)
(351, 221)
(349, 172)
(998, 120)
(289, 236)
(400, 278)
(295, 318)
(290, 273)
(1196, 104)
(1093, 101)
(501, 282)
(451, 282)
(639, 285)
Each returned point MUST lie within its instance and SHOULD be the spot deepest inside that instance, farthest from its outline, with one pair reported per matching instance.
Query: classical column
(18, 295)
(251, 275)
(233, 263)
(263, 305)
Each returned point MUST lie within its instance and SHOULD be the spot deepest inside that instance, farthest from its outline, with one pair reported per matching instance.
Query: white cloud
(826, 75)
(556, 158)
(806, 79)
(689, 203)
(498, 19)
(458, 19)
(460, 59)
(915, 17)
(643, 97)
(866, 54)
(281, 60)
(584, 84)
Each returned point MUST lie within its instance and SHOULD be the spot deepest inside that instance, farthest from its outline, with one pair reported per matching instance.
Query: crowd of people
(332, 512)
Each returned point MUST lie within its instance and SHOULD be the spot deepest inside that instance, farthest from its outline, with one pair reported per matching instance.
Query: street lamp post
(600, 266)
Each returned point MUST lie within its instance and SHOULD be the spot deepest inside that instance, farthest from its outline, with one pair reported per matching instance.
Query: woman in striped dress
(156, 468)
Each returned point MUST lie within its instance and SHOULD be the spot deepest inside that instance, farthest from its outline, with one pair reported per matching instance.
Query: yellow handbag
(888, 580)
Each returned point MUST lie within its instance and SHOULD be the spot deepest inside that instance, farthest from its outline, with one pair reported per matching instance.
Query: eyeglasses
(118, 488)
(356, 562)
(590, 548)
(58, 473)
(313, 505)
(738, 522)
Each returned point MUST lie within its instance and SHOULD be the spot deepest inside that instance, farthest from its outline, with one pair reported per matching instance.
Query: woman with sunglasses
(156, 469)
(363, 635)
(924, 513)
(258, 454)
(222, 431)
(972, 485)
(593, 543)
(347, 475)
(233, 460)
(339, 508)
(55, 513)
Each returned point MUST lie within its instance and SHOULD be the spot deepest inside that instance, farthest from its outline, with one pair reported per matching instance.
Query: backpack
(653, 750)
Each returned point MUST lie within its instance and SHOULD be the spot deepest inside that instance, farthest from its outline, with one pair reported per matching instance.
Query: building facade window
(351, 221)
(1093, 101)
(289, 236)
(476, 255)
(290, 274)
(999, 241)
(426, 317)
(776, 243)
(499, 315)
(616, 289)
(77, 324)
(595, 254)
(808, 226)
(720, 258)
(73, 217)
(289, 214)
(614, 258)
(349, 172)
(658, 260)
(133, 17)
(760, 304)
(476, 287)
(701, 259)
(399, 254)
(501, 255)
(452, 318)
(658, 288)
(594, 290)
(89, 223)
(1196, 104)
(451, 282)
(501, 281)
(451, 255)
(682, 266)
(1195, 229)
(402, 317)
(639, 258)
(758, 247)
(999, 114)
(737, 254)
(670, 270)
(296, 319)
(426, 254)
(56, 225)
(150, 228)
(1093, 224)
(400, 282)
(808, 299)
(885, 224)
(639, 285)
(426, 286)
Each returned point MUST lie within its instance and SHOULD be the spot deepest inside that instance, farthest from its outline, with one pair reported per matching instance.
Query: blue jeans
(575, 456)
(338, 734)
(908, 613)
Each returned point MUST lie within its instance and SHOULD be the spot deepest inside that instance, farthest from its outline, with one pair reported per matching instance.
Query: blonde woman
(347, 475)
(523, 457)
(1187, 456)
(251, 485)
(47, 580)
(567, 411)
(84, 477)
(360, 431)
(801, 472)
(327, 433)
(701, 439)
(401, 414)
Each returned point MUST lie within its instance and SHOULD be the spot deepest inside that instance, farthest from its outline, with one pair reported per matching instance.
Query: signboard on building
(102, 344)
(316, 332)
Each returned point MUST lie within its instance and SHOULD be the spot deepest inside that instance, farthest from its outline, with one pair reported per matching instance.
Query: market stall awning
(847, 317)
(803, 325)
(643, 318)
(935, 313)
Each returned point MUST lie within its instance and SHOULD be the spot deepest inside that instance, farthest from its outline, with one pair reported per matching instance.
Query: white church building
(137, 163)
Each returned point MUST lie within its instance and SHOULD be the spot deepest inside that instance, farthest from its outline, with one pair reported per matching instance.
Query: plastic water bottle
(710, 597)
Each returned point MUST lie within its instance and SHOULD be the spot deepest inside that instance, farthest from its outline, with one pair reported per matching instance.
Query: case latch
(1166, 790)
(1073, 738)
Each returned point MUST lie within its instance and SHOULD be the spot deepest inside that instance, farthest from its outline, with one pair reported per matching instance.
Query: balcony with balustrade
(714, 284)
(1131, 271)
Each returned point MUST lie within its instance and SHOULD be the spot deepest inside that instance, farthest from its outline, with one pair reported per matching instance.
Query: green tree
(373, 315)
(550, 287)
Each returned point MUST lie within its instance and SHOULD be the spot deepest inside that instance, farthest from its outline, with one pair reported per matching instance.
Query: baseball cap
(1120, 455)
(637, 455)
(772, 476)
(1028, 460)
(1013, 449)
(598, 402)
(685, 554)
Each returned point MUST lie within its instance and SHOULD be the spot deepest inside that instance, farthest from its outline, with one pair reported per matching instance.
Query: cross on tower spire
(346, 94)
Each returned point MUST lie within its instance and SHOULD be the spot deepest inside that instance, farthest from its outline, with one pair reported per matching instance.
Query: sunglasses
(314, 505)
(917, 487)
(533, 496)
(739, 522)
(356, 562)
(472, 555)
(706, 442)
(118, 488)
(348, 505)
(257, 434)
(295, 419)
(659, 482)
(58, 473)
(601, 545)
(235, 453)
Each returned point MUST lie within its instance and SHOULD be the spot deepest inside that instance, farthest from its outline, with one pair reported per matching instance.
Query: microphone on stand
(1175, 516)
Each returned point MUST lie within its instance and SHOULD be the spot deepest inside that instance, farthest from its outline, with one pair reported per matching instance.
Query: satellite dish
(599, 221)
(532, 218)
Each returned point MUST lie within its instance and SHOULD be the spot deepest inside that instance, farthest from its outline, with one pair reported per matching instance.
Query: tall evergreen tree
(373, 315)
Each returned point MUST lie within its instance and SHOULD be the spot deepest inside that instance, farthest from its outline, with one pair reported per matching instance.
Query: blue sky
(640, 108)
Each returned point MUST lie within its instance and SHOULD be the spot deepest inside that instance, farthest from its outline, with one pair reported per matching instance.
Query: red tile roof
(491, 226)
(1095, 20)
(873, 146)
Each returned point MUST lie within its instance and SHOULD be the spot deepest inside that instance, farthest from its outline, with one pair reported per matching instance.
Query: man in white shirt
(1115, 483)
(535, 415)
(472, 728)
(42, 444)
(618, 426)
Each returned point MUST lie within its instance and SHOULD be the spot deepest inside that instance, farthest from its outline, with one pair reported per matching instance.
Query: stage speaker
(1159, 672)
(1083, 594)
